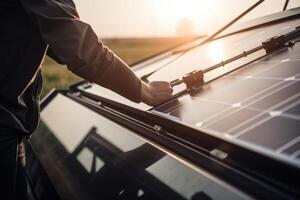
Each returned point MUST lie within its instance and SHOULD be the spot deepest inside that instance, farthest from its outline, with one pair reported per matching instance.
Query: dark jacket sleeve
(75, 44)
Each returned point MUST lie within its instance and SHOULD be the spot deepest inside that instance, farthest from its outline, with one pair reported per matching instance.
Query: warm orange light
(216, 51)
(197, 11)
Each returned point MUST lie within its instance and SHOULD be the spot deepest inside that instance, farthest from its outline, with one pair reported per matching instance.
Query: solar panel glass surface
(259, 104)
(219, 50)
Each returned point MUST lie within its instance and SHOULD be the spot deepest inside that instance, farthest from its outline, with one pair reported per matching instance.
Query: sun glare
(216, 51)
(196, 11)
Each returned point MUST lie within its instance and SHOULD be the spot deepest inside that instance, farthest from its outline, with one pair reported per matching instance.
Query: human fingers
(161, 86)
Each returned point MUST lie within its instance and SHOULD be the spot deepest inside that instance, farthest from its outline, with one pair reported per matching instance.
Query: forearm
(76, 45)
(117, 76)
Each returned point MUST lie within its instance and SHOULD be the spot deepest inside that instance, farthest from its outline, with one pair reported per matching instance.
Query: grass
(56, 76)
(130, 50)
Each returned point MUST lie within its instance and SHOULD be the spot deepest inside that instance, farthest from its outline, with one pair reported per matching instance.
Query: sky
(163, 18)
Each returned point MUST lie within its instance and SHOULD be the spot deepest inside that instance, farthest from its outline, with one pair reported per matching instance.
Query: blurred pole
(213, 36)
(286, 5)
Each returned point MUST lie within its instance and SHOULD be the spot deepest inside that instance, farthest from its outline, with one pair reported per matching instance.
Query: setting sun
(195, 11)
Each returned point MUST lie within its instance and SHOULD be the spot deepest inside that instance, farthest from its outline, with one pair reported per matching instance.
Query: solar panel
(259, 103)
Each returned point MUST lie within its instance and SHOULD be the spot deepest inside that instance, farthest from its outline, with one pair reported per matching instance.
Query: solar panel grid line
(209, 117)
(253, 121)
(262, 112)
(291, 116)
(249, 98)
(284, 84)
(275, 113)
(240, 133)
(291, 82)
(241, 107)
(267, 78)
(215, 115)
(267, 111)
(212, 101)
(292, 148)
(272, 66)
(296, 95)
(256, 74)
(261, 91)
(288, 145)
(283, 71)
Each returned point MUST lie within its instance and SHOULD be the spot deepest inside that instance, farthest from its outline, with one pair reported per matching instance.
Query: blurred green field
(130, 50)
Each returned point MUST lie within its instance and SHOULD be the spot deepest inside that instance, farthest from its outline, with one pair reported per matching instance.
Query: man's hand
(156, 92)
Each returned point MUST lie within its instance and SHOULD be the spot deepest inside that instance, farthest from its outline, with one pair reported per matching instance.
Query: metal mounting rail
(213, 36)
(195, 79)
(232, 161)
(208, 39)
